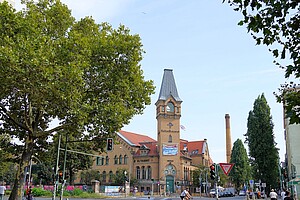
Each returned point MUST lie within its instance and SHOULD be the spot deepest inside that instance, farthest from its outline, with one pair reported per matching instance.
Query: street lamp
(125, 173)
(130, 164)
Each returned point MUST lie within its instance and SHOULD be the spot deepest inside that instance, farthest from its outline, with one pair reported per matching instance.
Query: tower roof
(168, 87)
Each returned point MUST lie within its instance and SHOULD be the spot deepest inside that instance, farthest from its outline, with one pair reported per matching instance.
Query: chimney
(228, 138)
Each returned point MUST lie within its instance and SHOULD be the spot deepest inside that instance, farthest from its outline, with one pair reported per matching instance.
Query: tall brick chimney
(228, 138)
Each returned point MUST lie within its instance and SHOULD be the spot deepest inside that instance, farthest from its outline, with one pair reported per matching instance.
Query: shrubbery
(38, 192)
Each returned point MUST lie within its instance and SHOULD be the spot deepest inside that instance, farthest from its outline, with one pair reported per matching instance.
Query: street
(146, 197)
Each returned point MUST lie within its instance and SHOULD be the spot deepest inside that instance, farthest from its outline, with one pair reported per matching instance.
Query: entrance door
(170, 184)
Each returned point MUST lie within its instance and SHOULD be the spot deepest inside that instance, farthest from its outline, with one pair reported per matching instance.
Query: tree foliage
(264, 158)
(276, 23)
(84, 75)
(240, 173)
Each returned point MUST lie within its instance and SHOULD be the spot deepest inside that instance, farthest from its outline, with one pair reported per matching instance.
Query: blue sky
(218, 68)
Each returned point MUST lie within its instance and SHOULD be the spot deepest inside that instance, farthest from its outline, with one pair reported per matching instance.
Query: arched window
(143, 172)
(120, 159)
(98, 159)
(104, 176)
(116, 160)
(170, 139)
(110, 176)
(170, 107)
(125, 159)
(102, 161)
(149, 173)
(138, 173)
(107, 160)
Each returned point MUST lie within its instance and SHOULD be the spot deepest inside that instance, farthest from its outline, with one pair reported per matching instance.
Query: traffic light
(109, 144)
(213, 171)
(60, 179)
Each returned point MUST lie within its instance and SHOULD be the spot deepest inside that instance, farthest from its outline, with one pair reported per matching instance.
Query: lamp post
(125, 173)
(130, 163)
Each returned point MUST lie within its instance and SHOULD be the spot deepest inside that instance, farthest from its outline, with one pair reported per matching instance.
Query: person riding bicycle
(185, 195)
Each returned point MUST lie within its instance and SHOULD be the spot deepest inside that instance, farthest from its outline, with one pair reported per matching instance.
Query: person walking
(29, 193)
(2, 191)
(288, 196)
(273, 195)
(282, 194)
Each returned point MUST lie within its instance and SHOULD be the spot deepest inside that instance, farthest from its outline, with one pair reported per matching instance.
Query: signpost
(226, 167)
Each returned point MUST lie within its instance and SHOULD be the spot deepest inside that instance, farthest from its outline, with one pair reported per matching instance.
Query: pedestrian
(29, 193)
(282, 194)
(273, 195)
(2, 191)
(288, 196)
(185, 195)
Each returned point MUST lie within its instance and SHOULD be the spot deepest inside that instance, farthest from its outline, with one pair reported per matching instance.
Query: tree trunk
(19, 183)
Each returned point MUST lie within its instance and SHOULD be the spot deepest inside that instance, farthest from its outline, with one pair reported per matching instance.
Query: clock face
(170, 107)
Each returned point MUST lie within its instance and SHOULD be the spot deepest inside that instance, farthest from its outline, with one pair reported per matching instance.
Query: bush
(38, 192)
(77, 192)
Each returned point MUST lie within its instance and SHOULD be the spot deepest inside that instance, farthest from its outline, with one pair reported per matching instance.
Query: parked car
(242, 193)
(212, 193)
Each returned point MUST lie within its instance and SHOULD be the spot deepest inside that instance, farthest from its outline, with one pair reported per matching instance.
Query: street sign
(226, 167)
(251, 182)
(263, 184)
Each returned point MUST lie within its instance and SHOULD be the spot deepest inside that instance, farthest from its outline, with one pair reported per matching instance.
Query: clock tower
(168, 113)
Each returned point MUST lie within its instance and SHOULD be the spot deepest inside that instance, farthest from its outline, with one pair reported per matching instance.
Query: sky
(217, 67)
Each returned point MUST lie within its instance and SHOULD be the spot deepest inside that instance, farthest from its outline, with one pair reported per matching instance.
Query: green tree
(84, 76)
(276, 22)
(88, 175)
(240, 173)
(263, 153)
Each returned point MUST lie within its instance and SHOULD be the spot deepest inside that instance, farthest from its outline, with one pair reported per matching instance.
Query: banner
(170, 149)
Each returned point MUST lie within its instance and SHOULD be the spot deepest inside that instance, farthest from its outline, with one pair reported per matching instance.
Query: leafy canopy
(84, 76)
(276, 23)
(263, 153)
(240, 173)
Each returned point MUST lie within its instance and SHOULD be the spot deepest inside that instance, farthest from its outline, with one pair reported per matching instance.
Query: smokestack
(228, 138)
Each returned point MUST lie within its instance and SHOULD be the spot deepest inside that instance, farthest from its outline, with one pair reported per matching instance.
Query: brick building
(165, 164)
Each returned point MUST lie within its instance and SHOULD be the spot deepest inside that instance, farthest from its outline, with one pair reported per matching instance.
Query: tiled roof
(152, 146)
(194, 147)
(134, 138)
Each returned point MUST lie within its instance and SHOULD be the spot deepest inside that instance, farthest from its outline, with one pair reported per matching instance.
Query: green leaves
(87, 76)
(260, 139)
(274, 23)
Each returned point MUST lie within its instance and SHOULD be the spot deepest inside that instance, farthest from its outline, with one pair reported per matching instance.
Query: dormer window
(170, 107)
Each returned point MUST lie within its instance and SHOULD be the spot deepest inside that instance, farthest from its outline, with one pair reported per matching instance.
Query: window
(125, 160)
(98, 159)
(170, 139)
(143, 172)
(163, 108)
(116, 160)
(110, 176)
(120, 159)
(170, 107)
(138, 173)
(104, 176)
(107, 160)
(149, 173)
(102, 161)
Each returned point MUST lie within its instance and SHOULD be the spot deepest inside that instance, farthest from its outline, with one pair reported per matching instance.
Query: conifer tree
(263, 153)
(240, 173)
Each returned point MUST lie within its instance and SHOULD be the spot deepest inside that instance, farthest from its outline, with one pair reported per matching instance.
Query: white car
(212, 192)
(242, 193)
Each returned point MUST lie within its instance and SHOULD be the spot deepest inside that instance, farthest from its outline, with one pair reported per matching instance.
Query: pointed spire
(168, 87)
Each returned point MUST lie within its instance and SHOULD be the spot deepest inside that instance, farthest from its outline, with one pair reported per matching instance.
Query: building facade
(164, 165)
